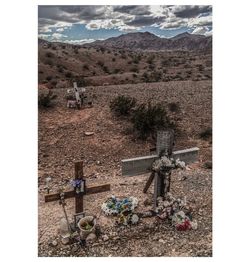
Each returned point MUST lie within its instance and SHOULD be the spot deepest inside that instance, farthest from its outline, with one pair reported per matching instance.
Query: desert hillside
(117, 61)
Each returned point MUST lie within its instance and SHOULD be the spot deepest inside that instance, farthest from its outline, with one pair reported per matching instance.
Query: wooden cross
(84, 190)
(141, 165)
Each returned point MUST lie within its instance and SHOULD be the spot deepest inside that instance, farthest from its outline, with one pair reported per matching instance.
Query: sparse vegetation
(148, 118)
(174, 107)
(45, 100)
(122, 105)
(207, 133)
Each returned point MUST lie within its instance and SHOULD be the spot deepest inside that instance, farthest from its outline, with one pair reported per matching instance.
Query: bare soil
(62, 140)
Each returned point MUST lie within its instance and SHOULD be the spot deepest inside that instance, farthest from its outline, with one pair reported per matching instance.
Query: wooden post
(79, 176)
(149, 182)
(78, 195)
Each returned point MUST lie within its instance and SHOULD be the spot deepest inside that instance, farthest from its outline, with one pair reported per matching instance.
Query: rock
(134, 219)
(91, 238)
(64, 230)
(162, 241)
(88, 133)
(54, 243)
(105, 238)
(65, 240)
(183, 178)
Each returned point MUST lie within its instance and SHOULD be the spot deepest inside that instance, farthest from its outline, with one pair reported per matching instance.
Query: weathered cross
(141, 165)
(82, 188)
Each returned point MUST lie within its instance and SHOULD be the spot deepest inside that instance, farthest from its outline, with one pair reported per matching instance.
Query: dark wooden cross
(141, 165)
(78, 195)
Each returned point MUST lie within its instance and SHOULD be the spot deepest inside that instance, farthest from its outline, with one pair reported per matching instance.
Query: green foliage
(148, 118)
(45, 100)
(122, 105)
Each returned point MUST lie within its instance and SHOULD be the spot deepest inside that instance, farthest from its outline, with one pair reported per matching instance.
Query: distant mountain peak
(148, 41)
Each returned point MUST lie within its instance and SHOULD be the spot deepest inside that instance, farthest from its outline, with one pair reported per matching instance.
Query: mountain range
(148, 41)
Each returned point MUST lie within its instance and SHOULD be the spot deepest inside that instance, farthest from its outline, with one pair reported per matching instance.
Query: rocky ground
(62, 140)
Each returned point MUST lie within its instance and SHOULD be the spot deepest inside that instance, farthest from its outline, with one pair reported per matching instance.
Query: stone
(54, 243)
(89, 133)
(162, 241)
(64, 230)
(91, 238)
(65, 240)
(134, 219)
(105, 238)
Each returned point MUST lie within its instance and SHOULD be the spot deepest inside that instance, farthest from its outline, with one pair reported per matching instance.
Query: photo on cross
(125, 130)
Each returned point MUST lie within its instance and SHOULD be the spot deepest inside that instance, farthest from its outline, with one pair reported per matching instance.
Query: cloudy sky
(81, 24)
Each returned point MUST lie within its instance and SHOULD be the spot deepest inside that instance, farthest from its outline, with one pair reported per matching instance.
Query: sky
(85, 24)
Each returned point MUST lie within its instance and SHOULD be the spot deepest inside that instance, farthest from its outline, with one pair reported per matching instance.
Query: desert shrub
(60, 69)
(165, 62)
(148, 118)
(85, 66)
(174, 107)
(48, 78)
(49, 54)
(113, 59)
(136, 59)
(151, 66)
(100, 63)
(53, 83)
(123, 56)
(150, 60)
(116, 70)
(49, 62)
(105, 69)
(134, 75)
(68, 74)
(122, 105)
(207, 133)
(134, 69)
(102, 49)
(45, 100)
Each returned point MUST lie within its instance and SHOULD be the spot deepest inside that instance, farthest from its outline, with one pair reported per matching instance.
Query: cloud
(200, 21)
(127, 18)
(80, 41)
(202, 30)
(189, 11)
(173, 23)
(109, 24)
(43, 36)
(133, 9)
(145, 20)
(57, 36)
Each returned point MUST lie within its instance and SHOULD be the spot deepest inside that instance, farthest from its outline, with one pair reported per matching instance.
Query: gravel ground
(62, 141)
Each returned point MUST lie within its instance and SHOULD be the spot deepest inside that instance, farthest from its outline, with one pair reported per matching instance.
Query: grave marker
(141, 165)
(84, 190)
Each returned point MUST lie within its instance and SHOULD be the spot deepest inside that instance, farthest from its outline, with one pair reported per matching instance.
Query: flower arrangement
(114, 206)
(166, 164)
(175, 211)
(78, 184)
